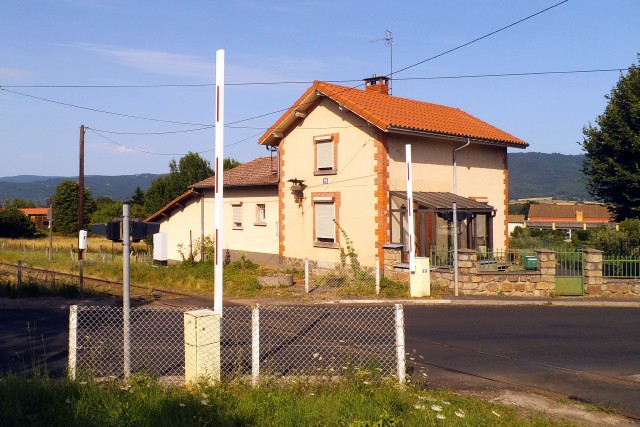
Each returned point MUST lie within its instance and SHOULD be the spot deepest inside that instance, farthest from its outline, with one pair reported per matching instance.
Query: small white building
(250, 210)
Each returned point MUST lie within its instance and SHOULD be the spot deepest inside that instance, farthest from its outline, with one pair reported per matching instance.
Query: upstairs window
(325, 154)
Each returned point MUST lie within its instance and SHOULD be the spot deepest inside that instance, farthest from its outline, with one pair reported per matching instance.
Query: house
(568, 216)
(250, 205)
(337, 175)
(343, 174)
(39, 216)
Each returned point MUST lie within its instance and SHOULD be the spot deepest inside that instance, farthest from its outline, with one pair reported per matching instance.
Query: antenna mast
(388, 41)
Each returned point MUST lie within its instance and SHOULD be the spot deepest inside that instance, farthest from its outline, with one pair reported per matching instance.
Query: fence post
(400, 351)
(255, 345)
(377, 275)
(306, 274)
(19, 273)
(73, 334)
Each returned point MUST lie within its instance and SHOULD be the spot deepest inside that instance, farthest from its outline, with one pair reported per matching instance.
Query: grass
(41, 401)
(240, 277)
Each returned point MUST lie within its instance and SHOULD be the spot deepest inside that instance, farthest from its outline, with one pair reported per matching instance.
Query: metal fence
(348, 278)
(627, 267)
(249, 343)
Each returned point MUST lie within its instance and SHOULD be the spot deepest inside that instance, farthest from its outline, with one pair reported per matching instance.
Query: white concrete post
(306, 275)
(73, 340)
(255, 345)
(219, 183)
(126, 300)
(411, 225)
(400, 349)
(377, 275)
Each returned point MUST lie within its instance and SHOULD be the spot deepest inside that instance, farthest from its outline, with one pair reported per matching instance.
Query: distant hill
(530, 175)
(39, 188)
(542, 174)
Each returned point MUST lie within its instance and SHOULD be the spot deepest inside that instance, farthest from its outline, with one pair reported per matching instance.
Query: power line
(95, 110)
(482, 37)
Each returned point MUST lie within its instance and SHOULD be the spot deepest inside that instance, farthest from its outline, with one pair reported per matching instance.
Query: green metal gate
(570, 273)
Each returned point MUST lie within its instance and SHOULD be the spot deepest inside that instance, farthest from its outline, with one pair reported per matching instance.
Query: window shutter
(237, 215)
(324, 153)
(325, 227)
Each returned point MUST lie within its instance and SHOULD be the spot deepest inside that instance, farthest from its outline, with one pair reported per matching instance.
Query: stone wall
(595, 285)
(471, 281)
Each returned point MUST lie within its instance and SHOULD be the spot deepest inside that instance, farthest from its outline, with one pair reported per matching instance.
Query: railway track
(96, 284)
(520, 385)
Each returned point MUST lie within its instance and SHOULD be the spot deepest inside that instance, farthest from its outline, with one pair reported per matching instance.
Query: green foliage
(14, 223)
(613, 148)
(65, 201)
(613, 242)
(190, 169)
(230, 163)
(137, 198)
(348, 252)
(201, 246)
(106, 210)
(363, 401)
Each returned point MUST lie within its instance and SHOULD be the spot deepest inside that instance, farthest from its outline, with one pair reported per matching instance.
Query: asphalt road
(589, 354)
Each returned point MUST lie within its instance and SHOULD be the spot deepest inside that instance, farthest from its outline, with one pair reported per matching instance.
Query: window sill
(329, 245)
(237, 228)
(325, 172)
(260, 224)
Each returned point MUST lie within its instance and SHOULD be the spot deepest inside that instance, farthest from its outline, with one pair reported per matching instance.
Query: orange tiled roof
(591, 212)
(35, 211)
(260, 171)
(391, 113)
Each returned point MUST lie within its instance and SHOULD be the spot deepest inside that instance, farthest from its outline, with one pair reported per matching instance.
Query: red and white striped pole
(412, 246)
(219, 180)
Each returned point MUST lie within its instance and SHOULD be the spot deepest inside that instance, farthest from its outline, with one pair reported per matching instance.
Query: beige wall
(480, 173)
(261, 239)
(354, 183)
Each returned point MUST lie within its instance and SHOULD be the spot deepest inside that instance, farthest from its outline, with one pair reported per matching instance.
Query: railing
(627, 267)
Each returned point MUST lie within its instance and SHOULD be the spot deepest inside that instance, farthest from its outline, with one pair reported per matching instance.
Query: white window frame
(325, 215)
(236, 217)
(325, 153)
(261, 214)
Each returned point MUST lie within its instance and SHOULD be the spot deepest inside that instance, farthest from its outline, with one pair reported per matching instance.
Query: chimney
(377, 84)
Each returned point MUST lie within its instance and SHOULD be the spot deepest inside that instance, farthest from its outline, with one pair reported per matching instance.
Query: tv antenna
(388, 41)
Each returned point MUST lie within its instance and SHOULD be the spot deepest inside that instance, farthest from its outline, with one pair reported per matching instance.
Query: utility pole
(81, 190)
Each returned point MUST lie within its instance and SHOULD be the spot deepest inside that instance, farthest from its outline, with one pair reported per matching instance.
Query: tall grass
(41, 401)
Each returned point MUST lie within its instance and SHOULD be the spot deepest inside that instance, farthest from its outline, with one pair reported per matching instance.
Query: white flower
(418, 406)
(205, 402)
(315, 355)
(67, 400)
(459, 413)
(446, 402)
(495, 413)
(182, 405)
(436, 408)
(441, 417)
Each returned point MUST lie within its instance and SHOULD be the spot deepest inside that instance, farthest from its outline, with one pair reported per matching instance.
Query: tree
(613, 149)
(14, 223)
(138, 197)
(65, 200)
(190, 169)
(106, 209)
(230, 163)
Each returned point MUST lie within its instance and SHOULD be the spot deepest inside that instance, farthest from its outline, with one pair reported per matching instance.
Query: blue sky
(134, 43)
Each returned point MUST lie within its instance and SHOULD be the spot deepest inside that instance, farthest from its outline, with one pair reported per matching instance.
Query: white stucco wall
(354, 183)
(187, 222)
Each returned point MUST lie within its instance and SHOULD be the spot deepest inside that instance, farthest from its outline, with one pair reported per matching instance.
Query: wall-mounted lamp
(297, 188)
